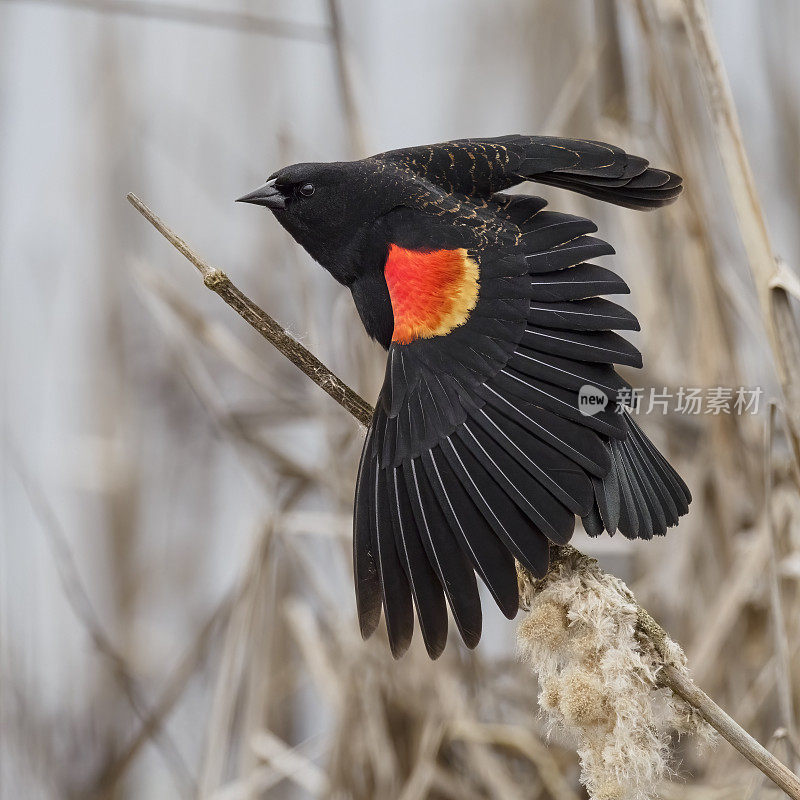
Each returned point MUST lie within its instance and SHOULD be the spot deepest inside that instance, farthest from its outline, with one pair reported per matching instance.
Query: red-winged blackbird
(478, 452)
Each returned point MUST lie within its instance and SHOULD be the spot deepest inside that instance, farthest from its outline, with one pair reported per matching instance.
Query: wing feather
(595, 314)
(367, 577)
(422, 580)
(577, 283)
(528, 545)
(555, 473)
(549, 516)
(605, 347)
(445, 554)
(479, 453)
(563, 402)
(565, 436)
(567, 255)
(568, 373)
(397, 607)
(482, 167)
(490, 558)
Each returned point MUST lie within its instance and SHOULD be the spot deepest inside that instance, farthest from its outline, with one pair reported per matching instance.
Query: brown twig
(218, 281)
(755, 753)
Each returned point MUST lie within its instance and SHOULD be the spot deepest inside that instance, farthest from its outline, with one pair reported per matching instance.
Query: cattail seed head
(610, 790)
(598, 677)
(546, 625)
(583, 700)
(550, 695)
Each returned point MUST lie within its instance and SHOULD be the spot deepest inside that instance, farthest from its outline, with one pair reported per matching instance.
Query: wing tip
(368, 623)
(399, 646)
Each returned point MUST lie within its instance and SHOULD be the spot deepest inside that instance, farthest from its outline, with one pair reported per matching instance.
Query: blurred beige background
(176, 612)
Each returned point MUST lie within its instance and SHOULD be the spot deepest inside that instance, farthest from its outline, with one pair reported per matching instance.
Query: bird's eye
(307, 189)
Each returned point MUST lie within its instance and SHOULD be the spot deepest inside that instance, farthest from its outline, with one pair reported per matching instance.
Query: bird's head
(326, 207)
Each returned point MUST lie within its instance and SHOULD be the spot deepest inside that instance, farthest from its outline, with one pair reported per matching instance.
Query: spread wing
(478, 453)
(485, 166)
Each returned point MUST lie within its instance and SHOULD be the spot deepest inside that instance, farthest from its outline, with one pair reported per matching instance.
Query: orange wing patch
(432, 291)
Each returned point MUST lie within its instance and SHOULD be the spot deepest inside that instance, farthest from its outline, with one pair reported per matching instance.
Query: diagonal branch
(275, 334)
(219, 282)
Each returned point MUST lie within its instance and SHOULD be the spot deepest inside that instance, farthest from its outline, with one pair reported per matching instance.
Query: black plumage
(494, 319)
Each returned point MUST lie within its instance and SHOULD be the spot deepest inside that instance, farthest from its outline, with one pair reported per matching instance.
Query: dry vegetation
(249, 679)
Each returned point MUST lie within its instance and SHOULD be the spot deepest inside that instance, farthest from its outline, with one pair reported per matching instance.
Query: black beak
(267, 195)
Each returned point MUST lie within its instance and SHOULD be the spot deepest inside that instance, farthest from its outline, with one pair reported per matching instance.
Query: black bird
(478, 452)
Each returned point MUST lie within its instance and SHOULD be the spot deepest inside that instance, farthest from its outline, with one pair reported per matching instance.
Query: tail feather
(642, 495)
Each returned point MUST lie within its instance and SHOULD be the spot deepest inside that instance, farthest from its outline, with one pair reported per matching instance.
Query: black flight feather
(445, 554)
(490, 558)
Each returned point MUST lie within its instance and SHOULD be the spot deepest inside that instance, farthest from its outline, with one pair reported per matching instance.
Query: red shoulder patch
(432, 291)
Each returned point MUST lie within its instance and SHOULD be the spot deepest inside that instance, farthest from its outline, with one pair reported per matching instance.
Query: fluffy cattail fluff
(597, 676)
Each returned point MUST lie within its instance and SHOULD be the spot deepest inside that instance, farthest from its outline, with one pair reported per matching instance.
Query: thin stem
(783, 658)
(345, 81)
(782, 328)
(218, 281)
(755, 753)
(275, 334)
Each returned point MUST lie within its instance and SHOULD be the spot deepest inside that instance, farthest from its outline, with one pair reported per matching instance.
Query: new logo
(591, 400)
